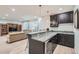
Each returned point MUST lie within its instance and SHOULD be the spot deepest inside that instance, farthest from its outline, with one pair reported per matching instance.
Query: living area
(39, 29)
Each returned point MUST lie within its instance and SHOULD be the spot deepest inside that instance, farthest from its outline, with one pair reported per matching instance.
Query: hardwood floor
(6, 48)
(63, 50)
(19, 47)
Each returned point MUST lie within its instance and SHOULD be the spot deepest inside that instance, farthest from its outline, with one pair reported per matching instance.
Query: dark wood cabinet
(66, 17)
(48, 46)
(3, 29)
(36, 47)
(63, 39)
(54, 39)
(9, 27)
(66, 40)
(53, 21)
(14, 27)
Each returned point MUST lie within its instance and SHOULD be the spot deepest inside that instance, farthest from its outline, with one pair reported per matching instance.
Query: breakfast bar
(44, 42)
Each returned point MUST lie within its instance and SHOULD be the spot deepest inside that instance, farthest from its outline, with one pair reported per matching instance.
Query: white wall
(76, 32)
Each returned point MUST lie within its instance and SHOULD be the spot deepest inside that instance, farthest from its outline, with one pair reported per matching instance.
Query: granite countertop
(37, 32)
(43, 36)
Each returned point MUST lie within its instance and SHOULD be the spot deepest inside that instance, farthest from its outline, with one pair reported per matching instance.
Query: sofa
(16, 36)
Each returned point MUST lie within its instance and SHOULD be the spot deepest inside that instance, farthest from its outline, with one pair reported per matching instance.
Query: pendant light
(40, 9)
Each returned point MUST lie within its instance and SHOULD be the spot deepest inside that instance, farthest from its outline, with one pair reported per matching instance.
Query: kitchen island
(39, 42)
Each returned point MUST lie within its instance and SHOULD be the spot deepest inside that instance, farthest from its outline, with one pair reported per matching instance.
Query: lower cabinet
(36, 47)
(54, 39)
(63, 39)
(66, 40)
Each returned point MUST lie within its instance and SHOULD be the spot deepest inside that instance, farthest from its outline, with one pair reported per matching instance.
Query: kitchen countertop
(43, 36)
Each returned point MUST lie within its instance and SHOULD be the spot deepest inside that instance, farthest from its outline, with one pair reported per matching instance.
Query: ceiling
(25, 12)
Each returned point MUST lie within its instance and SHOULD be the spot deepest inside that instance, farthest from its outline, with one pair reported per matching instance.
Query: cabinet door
(54, 39)
(53, 21)
(67, 40)
(61, 39)
(36, 47)
(65, 17)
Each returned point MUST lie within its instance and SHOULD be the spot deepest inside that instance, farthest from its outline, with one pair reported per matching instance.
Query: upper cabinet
(66, 17)
(53, 21)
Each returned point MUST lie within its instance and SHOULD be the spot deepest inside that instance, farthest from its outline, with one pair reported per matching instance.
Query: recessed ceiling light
(60, 9)
(13, 9)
